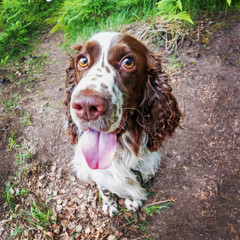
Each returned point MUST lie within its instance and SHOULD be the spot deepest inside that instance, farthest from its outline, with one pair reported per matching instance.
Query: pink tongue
(99, 148)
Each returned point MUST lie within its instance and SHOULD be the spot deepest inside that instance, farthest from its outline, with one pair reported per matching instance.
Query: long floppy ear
(161, 114)
(70, 83)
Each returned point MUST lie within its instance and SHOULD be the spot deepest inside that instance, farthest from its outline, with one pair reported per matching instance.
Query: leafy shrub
(172, 10)
(84, 17)
(19, 21)
(210, 5)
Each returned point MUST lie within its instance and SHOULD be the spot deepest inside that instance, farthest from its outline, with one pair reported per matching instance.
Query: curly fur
(161, 115)
(70, 83)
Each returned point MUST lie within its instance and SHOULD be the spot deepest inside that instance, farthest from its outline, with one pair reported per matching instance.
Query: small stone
(61, 191)
(71, 226)
(80, 196)
(59, 208)
(65, 236)
(41, 177)
(11, 191)
(72, 178)
(57, 229)
(59, 175)
(87, 230)
(59, 201)
(70, 203)
(64, 223)
(79, 228)
(64, 203)
(53, 168)
(111, 237)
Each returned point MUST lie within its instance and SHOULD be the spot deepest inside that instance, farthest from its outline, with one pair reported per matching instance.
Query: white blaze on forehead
(99, 69)
(105, 40)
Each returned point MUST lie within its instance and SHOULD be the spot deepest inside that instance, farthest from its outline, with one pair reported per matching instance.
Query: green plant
(156, 207)
(12, 141)
(172, 11)
(12, 197)
(11, 103)
(6, 105)
(23, 157)
(26, 120)
(3, 61)
(175, 63)
(20, 20)
(16, 233)
(140, 220)
(39, 215)
(85, 17)
(28, 212)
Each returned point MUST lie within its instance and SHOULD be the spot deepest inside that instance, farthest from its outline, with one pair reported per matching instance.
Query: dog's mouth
(100, 147)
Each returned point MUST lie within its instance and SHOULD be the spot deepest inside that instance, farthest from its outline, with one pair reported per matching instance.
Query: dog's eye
(83, 62)
(128, 63)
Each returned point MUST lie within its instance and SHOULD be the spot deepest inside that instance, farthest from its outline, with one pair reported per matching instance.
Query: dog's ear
(160, 111)
(70, 83)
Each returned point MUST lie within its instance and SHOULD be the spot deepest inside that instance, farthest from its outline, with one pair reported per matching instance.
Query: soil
(200, 165)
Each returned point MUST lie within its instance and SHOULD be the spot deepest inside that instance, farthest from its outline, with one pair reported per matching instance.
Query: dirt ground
(200, 164)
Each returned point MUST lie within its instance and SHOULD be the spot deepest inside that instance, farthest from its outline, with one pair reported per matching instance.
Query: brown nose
(89, 107)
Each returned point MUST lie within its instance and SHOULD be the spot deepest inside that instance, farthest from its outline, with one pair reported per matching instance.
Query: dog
(120, 108)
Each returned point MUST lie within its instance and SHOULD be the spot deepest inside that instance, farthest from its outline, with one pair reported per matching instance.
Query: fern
(229, 2)
(84, 17)
(19, 21)
(172, 11)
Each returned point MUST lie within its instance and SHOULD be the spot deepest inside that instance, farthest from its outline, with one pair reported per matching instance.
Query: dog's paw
(110, 207)
(133, 205)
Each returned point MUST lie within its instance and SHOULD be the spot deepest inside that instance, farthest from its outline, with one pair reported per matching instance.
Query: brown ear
(161, 114)
(70, 83)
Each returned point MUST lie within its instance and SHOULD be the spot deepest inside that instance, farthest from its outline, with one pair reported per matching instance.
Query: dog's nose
(89, 107)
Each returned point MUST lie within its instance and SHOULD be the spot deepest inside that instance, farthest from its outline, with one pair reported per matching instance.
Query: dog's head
(115, 83)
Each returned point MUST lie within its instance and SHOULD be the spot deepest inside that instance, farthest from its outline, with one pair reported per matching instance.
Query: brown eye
(128, 63)
(83, 62)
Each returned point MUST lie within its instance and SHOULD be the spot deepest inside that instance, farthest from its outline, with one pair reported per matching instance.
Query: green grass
(140, 219)
(12, 143)
(28, 212)
(9, 104)
(20, 22)
(84, 18)
(26, 120)
(13, 197)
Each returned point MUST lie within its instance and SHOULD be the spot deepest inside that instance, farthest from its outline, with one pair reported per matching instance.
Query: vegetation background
(21, 21)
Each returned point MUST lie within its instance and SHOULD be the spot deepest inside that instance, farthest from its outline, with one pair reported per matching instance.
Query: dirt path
(200, 164)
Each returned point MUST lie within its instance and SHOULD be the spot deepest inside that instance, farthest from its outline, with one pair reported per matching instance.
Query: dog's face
(115, 81)
(110, 73)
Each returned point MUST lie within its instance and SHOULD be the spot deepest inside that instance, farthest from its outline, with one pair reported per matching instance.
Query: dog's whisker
(126, 95)
(135, 109)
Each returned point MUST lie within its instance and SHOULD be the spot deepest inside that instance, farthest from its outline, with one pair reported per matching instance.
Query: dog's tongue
(99, 148)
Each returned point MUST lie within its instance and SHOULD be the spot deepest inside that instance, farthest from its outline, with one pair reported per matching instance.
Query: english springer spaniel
(120, 108)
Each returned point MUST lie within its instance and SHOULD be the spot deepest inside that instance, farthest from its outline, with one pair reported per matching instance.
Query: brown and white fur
(115, 85)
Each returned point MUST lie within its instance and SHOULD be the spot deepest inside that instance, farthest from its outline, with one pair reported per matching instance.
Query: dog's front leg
(109, 202)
